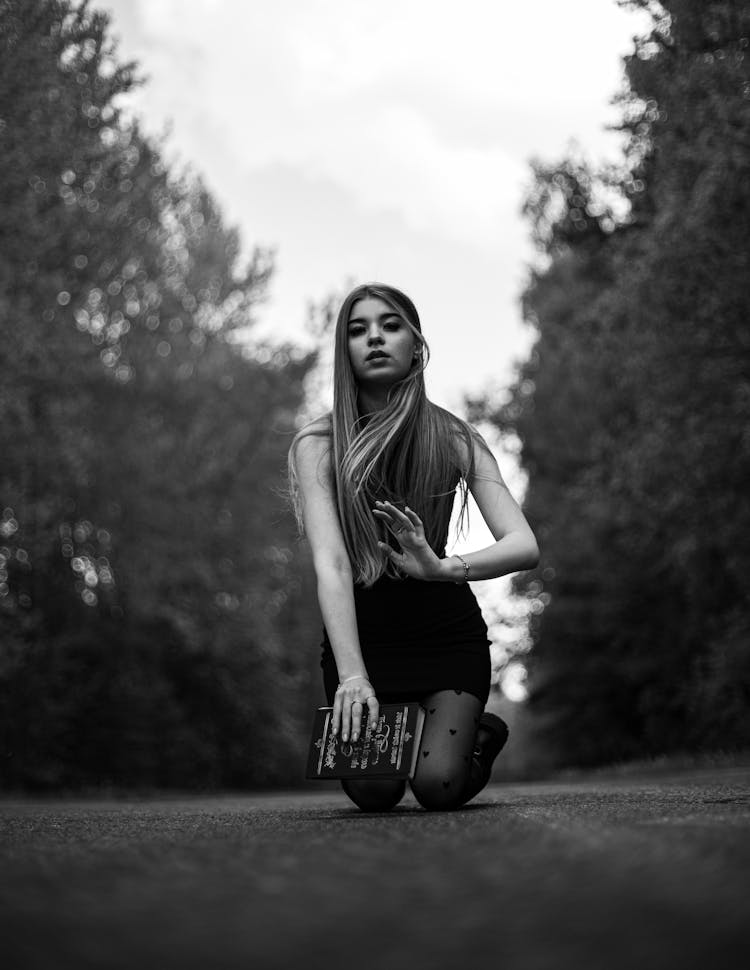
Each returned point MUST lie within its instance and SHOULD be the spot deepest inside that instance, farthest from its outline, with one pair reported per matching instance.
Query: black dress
(417, 637)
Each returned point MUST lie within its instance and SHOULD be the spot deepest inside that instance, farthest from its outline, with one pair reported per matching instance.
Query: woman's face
(381, 343)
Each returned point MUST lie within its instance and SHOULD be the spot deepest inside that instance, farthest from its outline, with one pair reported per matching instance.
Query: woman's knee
(379, 795)
(439, 791)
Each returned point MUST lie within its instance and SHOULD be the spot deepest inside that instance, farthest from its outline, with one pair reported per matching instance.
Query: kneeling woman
(374, 483)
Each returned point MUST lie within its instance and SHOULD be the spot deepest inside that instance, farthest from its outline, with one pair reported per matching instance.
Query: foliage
(634, 406)
(151, 596)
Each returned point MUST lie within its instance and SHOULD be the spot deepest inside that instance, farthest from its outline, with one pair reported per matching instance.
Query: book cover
(388, 751)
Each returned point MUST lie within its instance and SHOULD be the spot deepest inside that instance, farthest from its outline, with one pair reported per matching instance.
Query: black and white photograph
(374, 484)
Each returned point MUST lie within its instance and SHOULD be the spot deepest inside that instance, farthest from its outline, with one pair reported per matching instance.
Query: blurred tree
(150, 590)
(634, 406)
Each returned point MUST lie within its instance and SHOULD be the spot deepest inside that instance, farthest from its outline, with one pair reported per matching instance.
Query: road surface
(636, 873)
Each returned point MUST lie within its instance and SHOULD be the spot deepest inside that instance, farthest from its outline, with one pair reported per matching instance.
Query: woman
(373, 484)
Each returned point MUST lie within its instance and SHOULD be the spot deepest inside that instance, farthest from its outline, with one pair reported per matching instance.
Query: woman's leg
(443, 777)
(448, 772)
(375, 794)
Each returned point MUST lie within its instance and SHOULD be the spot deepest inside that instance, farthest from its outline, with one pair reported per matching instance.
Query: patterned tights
(445, 777)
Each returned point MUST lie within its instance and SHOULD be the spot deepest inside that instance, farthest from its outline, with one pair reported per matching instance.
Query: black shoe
(492, 734)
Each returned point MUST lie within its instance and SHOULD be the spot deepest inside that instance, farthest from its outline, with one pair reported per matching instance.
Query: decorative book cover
(390, 751)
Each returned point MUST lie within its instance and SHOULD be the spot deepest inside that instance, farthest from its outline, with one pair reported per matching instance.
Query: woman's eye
(356, 331)
(392, 326)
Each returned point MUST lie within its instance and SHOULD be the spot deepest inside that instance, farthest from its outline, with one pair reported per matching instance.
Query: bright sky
(385, 141)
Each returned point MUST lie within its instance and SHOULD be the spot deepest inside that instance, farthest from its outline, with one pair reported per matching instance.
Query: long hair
(408, 453)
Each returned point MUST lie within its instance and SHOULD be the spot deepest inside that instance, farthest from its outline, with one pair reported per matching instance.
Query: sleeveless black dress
(417, 637)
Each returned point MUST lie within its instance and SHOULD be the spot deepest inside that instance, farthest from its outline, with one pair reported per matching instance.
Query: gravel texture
(629, 873)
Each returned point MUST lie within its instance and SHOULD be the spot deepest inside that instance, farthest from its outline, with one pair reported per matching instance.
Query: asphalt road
(636, 873)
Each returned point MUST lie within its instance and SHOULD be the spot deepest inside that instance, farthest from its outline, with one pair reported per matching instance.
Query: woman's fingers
(395, 519)
(398, 557)
(373, 708)
(397, 514)
(413, 518)
(358, 713)
(349, 709)
(356, 710)
(393, 525)
(346, 718)
(336, 713)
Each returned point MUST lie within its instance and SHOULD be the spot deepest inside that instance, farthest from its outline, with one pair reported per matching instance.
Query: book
(388, 751)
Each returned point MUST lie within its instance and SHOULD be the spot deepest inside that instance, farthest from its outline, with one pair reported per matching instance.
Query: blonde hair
(408, 453)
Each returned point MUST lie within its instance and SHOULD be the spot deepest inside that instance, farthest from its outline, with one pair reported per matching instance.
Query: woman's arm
(312, 462)
(515, 547)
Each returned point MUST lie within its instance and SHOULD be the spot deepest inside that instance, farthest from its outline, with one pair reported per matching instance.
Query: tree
(147, 555)
(633, 409)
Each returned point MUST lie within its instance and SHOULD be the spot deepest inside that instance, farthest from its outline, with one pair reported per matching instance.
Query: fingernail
(354, 737)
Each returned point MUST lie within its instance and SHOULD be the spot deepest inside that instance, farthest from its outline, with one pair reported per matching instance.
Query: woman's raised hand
(416, 557)
(353, 695)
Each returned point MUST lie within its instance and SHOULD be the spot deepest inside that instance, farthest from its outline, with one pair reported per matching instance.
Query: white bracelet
(355, 677)
(466, 570)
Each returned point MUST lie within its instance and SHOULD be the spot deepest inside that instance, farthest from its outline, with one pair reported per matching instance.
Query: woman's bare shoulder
(318, 425)
(319, 428)
(313, 439)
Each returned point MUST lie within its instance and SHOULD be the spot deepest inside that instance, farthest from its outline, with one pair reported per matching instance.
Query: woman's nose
(374, 336)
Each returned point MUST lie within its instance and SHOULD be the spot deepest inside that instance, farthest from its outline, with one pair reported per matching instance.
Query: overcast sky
(385, 141)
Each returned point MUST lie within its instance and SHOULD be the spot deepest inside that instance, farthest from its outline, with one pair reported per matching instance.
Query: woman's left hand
(416, 557)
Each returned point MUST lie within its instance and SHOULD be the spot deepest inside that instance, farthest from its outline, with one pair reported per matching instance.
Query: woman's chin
(380, 377)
